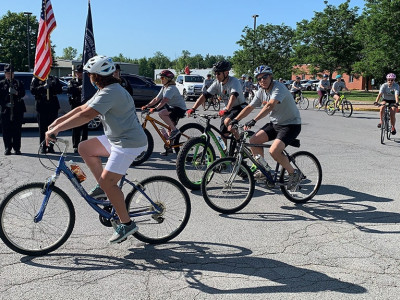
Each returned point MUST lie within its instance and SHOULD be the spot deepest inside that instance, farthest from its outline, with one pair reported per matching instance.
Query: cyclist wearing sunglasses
(285, 124)
(230, 90)
(389, 91)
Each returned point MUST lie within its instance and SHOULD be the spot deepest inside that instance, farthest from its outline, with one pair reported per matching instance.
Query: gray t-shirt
(296, 84)
(286, 111)
(118, 115)
(207, 83)
(338, 86)
(325, 84)
(388, 93)
(225, 90)
(172, 93)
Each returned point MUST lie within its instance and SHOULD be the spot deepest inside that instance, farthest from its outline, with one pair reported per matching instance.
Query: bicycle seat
(295, 143)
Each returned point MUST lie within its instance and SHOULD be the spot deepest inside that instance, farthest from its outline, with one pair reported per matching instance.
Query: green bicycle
(344, 106)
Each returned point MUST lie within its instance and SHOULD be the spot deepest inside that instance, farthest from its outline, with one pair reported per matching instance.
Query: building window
(351, 78)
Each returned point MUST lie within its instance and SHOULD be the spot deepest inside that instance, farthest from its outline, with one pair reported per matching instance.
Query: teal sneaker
(97, 192)
(122, 232)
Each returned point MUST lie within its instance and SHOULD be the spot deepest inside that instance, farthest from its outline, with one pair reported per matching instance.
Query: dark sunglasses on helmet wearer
(263, 77)
(390, 80)
(218, 73)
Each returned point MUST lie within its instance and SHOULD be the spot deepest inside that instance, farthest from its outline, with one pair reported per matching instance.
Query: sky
(141, 28)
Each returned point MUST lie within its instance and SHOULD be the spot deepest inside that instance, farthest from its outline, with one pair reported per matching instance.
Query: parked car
(288, 83)
(190, 86)
(144, 88)
(307, 84)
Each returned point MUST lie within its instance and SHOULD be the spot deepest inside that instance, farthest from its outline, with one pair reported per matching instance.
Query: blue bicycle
(38, 218)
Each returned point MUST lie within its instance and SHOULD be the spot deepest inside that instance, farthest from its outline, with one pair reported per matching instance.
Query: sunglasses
(219, 73)
(263, 77)
(390, 80)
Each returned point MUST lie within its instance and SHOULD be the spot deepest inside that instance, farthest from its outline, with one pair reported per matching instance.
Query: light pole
(254, 40)
(28, 14)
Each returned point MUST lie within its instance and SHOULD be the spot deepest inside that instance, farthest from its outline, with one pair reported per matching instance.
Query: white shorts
(120, 159)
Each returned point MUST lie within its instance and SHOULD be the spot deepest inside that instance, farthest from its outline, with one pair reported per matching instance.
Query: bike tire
(217, 105)
(315, 104)
(330, 108)
(311, 180)
(146, 154)
(388, 127)
(189, 129)
(347, 108)
(169, 194)
(207, 105)
(383, 129)
(217, 195)
(18, 229)
(304, 103)
(189, 167)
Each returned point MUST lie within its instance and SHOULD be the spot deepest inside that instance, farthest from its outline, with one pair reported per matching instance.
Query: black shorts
(390, 101)
(176, 113)
(285, 133)
(231, 115)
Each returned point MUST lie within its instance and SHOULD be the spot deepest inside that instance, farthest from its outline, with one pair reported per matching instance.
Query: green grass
(354, 95)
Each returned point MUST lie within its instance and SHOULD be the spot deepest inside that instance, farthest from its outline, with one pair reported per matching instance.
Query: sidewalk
(364, 106)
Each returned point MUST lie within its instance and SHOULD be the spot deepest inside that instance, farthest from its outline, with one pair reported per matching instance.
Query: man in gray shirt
(285, 123)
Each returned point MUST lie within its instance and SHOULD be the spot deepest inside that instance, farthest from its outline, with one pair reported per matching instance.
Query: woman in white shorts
(123, 141)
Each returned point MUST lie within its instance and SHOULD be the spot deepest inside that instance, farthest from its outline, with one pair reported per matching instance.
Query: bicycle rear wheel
(188, 131)
(347, 109)
(310, 181)
(174, 200)
(226, 189)
(330, 107)
(304, 103)
(189, 164)
(19, 230)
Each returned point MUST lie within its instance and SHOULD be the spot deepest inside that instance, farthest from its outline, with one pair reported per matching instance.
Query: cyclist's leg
(265, 134)
(91, 151)
(228, 118)
(321, 95)
(164, 115)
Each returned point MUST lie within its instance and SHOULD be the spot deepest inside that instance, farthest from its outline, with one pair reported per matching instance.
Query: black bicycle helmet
(221, 66)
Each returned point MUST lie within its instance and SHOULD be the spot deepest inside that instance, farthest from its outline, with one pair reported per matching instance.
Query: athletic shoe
(167, 152)
(259, 176)
(394, 131)
(174, 134)
(293, 180)
(379, 125)
(97, 192)
(122, 232)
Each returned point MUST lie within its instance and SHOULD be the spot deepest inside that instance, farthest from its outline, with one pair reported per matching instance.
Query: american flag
(43, 60)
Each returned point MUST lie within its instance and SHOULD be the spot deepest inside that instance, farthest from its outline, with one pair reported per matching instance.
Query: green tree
(379, 35)
(69, 53)
(13, 40)
(327, 41)
(269, 45)
(160, 61)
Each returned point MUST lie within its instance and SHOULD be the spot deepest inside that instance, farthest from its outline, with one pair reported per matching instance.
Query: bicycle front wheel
(383, 129)
(388, 126)
(330, 107)
(347, 109)
(304, 103)
(146, 154)
(19, 230)
(217, 104)
(227, 188)
(316, 104)
(171, 197)
(188, 131)
(192, 161)
(310, 181)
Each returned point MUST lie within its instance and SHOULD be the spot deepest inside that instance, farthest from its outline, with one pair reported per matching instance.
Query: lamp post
(254, 40)
(28, 14)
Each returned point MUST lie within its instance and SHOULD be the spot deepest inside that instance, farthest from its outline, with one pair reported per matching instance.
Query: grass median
(355, 95)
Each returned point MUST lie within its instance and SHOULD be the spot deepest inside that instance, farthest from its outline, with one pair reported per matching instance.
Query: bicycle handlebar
(206, 116)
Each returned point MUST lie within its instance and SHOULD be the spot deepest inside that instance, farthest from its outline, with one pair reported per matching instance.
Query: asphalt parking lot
(342, 244)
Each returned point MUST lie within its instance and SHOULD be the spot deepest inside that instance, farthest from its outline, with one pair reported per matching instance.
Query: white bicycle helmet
(262, 70)
(100, 64)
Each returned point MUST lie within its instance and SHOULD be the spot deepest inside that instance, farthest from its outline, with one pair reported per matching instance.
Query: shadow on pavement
(234, 271)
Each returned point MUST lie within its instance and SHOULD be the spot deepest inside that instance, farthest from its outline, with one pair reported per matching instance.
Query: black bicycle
(385, 126)
(228, 183)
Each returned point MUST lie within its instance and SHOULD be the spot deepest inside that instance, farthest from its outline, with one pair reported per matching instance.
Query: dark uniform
(46, 104)
(125, 83)
(12, 111)
(80, 133)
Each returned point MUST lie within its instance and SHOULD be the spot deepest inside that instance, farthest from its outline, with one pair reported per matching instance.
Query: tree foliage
(69, 53)
(327, 41)
(267, 45)
(13, 40)
(379, 34)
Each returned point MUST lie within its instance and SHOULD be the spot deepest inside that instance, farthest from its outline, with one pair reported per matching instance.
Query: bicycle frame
(93, 203)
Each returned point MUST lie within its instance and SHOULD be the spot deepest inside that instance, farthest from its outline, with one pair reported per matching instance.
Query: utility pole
(254, 40)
